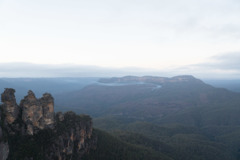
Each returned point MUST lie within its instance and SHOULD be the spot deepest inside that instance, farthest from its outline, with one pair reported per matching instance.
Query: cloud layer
(67, 70)
(224, 66)
(143, 33)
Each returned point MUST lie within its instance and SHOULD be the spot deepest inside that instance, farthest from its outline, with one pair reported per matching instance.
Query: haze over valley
(120, 80)
(160, 116)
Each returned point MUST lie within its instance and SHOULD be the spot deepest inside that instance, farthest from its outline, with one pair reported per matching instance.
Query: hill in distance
(146, 98)
(182, 117)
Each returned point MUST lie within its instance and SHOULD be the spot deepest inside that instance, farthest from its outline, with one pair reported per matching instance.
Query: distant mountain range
(42, 85)
(184, 118)
(142, 98)
(180, 118)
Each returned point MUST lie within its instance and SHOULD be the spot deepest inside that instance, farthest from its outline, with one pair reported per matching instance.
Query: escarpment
(37, 114)
(32, 130)
(9, 107)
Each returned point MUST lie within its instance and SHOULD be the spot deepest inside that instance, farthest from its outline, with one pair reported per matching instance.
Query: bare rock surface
(10, 108)
(37, 114)
(33, 131)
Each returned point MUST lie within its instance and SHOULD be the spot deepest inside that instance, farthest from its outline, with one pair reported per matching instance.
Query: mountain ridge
(31, 130)
(148, 79)
(184, 119)
(175, 94)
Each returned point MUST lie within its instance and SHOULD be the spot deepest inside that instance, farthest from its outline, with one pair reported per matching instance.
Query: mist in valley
(120, 80)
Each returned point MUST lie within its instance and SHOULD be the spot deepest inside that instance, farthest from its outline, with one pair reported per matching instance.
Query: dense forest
(179, 118)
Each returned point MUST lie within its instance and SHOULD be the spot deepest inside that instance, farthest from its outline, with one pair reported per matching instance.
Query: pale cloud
(16, 70)
(144, 33)
(224, 66)
(227, 61)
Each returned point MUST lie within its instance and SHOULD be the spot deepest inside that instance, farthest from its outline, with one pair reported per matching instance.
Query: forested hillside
(184, 118)
(179, 118)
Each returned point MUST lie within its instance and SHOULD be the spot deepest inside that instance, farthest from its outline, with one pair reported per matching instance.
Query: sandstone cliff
(149, 79)
(32, 130)
(10, 108)
(37, 113)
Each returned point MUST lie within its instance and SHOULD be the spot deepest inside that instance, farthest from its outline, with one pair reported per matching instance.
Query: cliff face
(10, 108)
(74, 136)
(149, 79)
(33, 131)
(4, 148)
(37, 114)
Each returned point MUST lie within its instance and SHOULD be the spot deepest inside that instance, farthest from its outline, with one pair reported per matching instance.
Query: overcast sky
(187, 36)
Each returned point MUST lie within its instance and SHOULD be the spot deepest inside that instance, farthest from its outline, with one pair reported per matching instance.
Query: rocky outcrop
(4, 151)
(33, 131)
(149, 79)
(4, 148)
(37, 114)
(9, 107)
(74, 134)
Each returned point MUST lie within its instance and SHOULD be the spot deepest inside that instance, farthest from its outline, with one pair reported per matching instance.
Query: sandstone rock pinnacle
(37, 114)
(39, 130)
(10, 108)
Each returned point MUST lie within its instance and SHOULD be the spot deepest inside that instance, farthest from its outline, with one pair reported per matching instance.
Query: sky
(178, 37)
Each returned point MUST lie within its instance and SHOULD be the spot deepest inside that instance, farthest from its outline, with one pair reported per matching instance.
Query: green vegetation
(112, 148)
(30, 146)
(183, 120)
(37, 146)
(71, 118)
(179, 142)
(180, 121)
